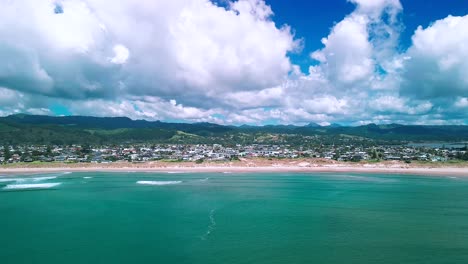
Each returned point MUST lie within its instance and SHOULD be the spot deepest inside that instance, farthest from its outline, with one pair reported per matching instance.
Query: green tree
(6, 152)
(465, 156)
(85, 149)
(49, 151)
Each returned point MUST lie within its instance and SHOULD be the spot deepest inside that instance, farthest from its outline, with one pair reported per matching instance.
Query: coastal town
(217, 152)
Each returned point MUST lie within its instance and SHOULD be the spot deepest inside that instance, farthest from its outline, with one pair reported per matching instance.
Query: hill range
(58, 130)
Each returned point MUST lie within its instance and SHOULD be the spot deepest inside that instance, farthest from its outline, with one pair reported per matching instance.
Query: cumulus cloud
(462, 102)
(121, 54)
(360, 43)
(395, 104)
(438, 60)
(162, 48)
(196, 61)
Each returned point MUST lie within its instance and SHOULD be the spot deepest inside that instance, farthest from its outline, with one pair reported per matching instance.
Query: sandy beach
(247, 165)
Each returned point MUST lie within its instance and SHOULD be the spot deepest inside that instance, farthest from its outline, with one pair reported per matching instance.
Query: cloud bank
(194, 60)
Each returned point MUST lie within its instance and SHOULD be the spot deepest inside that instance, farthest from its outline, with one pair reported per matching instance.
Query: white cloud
(439, 60)
(190, 47)
(394, 104)
(270, 97)
(374, 8)
(462, 102)
(361, 45)
(326, 105)
(195, 61)
(347, 56)
(121, 54)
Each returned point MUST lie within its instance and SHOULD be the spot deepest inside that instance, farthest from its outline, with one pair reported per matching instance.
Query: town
(217, 152)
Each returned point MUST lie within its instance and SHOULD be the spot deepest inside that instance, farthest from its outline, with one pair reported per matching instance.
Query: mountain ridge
(39, 129)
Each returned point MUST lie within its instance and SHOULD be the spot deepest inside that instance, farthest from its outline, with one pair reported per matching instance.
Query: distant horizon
(311, 124)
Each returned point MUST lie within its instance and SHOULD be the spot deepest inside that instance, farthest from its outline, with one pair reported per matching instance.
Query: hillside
(36, 129)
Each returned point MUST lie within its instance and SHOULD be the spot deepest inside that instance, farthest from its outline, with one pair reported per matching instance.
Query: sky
(237, 62)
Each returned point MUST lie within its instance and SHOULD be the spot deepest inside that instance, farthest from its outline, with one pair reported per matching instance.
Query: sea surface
(233, 218)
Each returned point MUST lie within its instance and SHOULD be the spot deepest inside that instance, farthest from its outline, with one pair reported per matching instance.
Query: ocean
(233, 218)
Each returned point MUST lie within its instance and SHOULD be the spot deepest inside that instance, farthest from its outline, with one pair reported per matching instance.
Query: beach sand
(248, 165)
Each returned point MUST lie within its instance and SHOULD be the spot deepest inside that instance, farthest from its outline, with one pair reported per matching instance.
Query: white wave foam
(11, 180)
(204, 180)
(34, 179)
(37, 179)
(176, 172)
(31, 186)
(87, 177)
(158, 182)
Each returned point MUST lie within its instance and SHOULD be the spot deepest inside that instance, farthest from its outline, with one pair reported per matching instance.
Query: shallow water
(235, 218)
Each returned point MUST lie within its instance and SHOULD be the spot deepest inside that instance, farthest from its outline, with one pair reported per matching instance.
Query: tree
(85, 149)
(465, 156)
(6, 153)
(49, 151)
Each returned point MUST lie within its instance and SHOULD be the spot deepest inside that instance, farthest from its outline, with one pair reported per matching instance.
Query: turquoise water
(233, 218)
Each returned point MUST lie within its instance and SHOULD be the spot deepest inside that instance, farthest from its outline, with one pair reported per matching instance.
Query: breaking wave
(31, 179)
(158, 182)
(31, 186)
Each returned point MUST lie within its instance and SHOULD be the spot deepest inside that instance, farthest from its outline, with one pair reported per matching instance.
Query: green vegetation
(47, 130)
(6, 152)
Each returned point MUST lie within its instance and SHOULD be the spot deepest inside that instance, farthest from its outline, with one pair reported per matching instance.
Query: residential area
(218, 152)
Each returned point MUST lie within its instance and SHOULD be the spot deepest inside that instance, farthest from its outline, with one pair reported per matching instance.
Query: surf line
(212, 225)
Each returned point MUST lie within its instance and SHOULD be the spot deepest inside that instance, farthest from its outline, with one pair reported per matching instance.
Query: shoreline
(243, 168)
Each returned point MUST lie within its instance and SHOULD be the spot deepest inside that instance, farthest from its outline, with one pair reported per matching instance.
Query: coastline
(245, 166)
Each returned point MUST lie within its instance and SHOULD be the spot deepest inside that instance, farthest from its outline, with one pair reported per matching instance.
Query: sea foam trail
(212, 225)
(158, 182)
(31, 186)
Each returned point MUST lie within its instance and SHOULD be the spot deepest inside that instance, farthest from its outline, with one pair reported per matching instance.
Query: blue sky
(237, 61)
(301, 15)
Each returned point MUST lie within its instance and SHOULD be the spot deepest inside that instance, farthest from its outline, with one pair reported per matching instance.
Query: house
(60, 158)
